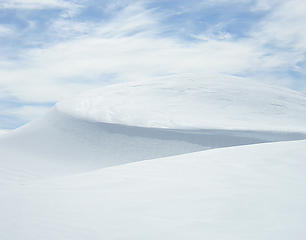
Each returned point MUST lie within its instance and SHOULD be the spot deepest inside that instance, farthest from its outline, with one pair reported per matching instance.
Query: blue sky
(53, 49)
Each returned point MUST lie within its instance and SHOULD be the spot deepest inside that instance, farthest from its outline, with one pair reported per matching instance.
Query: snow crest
(79, 172)
(230, 103)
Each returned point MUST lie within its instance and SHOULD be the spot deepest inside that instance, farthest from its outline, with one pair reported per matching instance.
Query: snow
(60, 144)
(245, 192)
(183, 102)
(164, 159)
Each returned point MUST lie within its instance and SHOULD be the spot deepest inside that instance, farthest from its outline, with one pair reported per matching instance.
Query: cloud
(6, 31)
(2, 132)
(16, 112)
(137, 42)
(282, 34)
(72, 66)
(130, 46)
(35, 4)
(69, 8)
(27, 113)
(16, 116)
(285, 26)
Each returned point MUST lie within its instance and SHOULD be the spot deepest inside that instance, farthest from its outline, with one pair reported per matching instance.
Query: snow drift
(78, 173)
(190, 103)
(145, 120)
(244, 192)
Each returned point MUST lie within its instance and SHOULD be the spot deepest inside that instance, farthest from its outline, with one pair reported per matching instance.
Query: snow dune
(213, 169)
(245, 192)
(190, 103)
(59, 144)
(145, 120)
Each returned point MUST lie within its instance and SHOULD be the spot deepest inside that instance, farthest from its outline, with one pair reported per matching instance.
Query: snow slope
(246, 192)
(184, 103)
(78, 173)
(145, 120)
(60, 144)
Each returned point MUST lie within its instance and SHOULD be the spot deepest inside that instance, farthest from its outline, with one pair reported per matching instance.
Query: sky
(53, 49)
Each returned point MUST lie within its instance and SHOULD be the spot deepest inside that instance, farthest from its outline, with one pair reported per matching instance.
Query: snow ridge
(222, 162)
(184, 103)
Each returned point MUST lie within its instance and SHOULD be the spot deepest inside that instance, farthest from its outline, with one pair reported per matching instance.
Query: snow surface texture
(60, 144)
(249, 192)
(66, 175)
(231, 103)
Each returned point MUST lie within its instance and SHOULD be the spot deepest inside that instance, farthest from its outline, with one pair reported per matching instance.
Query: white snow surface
(245, 192)
(166, 159)
(181, 103)
(60, 144)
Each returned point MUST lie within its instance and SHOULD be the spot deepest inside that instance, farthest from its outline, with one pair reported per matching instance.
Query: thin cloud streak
(136, 43)
(36, 4)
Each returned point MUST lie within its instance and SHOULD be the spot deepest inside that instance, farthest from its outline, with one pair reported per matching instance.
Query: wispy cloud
(27, 113)
(36, 4)
(284, 27)
(142, 40)
(130, 47)
(6, 31)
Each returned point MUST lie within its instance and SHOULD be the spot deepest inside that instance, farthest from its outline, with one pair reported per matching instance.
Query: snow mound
(184, 103)
(60, 144)
(78, 173)
(245, 192)
(138, 121)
